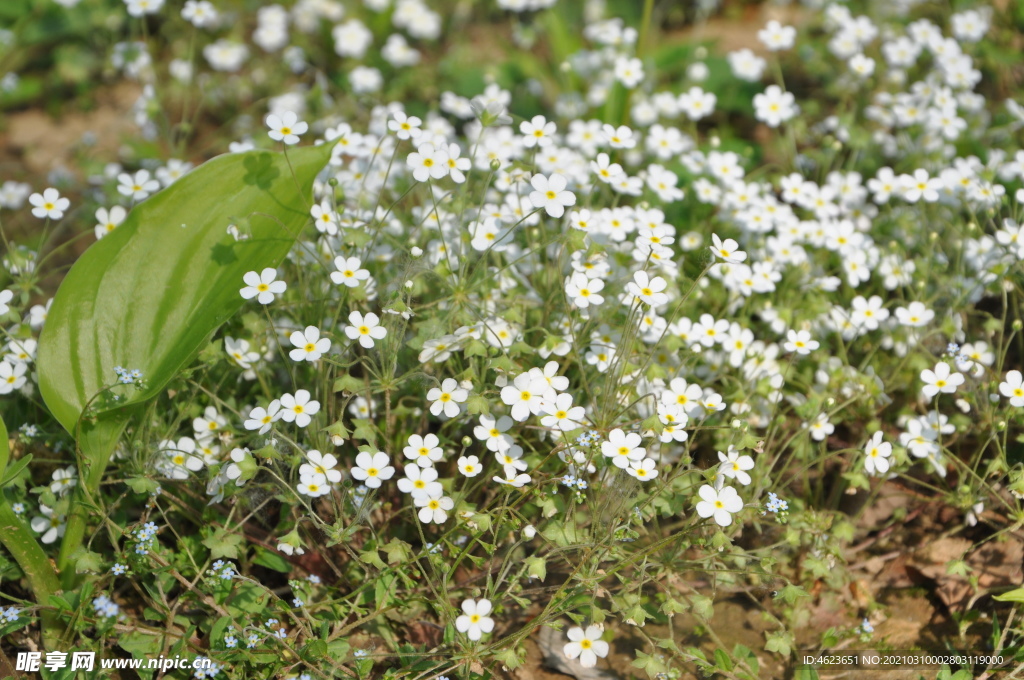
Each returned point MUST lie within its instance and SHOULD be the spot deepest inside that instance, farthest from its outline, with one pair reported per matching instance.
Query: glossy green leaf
(149, 295)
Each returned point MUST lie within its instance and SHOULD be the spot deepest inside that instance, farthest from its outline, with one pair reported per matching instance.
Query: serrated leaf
(372, 557)
(536, 567)
(348, 383)
(224, 544)
(142, 484)
(86, 561)
(398, 551)
(150, 294)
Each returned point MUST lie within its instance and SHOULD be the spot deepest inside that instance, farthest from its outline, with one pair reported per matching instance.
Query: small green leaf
(398, 551)
(271, 560)
(372, 557)
(248, 598)
(224, 544)
(1015, 595)
(348, 383)
(536, 567)
(780, 641)
(477, 403)
(142, 484)
(14, 470)
(87, 562)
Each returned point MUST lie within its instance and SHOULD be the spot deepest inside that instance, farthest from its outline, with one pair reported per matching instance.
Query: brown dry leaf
(931, 561)
(551, 642)
(879, 513)
(998, 563)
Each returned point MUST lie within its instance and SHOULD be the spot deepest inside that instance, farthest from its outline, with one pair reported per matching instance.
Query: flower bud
(467, 441)
(529, 531)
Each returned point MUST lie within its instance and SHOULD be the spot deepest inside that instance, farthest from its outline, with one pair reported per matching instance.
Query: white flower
(861, 65)
(64, 479)
(511, 461)
(561, 414)
(433, 508)
(773, 106)
(697, 103)
(877, 454)
(447, 398)
(179, 459)
(424, 450)
(491, 431)
(474, 621)
(719, 504)
(137, 186)
(1013, 387)
(643, 470)
(405, 127)
(940, 380)
(735, 466)
(585, 644)
(138, 8)
(524, 395)
(200, 13)
(518, 481)
(537, 132)
(207, 425)
(12, 376)
(321, 464)
(49, 525)
(550, 194)
(427, 162)
(623, 448)
(800, 342)
(350, 271)
(915, 315)
(313, 485)
(420, 482)
(372, 468)
(286, 128)
(629, 71)
(298, 408)
(108, 220)
(728, 250)
(470, 466)
(776, 37)
(263, 286)
(457, 166)
(5, 297)
(49, 204)
(262, 419)
(619, 137)
(365, 328)
(648, 289)
(583, 291)
(309, 346)
(238, 350)
(820, 427)
(234, 469)
(324, 218)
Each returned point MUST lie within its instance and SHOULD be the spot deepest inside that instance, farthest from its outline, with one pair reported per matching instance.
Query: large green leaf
(150, 294)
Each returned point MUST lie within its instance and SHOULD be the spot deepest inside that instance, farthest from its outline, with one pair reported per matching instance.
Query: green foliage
(150, 294)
